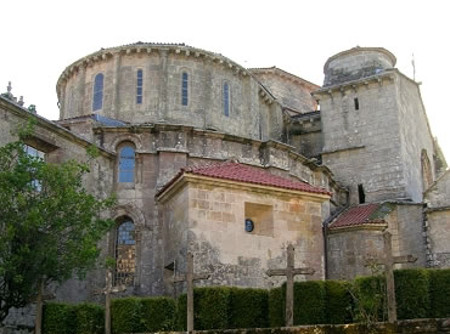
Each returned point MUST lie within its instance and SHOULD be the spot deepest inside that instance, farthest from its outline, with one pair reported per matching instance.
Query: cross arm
(404, 259)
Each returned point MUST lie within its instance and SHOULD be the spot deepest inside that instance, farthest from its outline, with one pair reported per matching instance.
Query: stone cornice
(358, 49)
(149, 48)
(183, 178)
(354, 85)
(349, 148)
(441, 208)
(288, 149)
(361, 227)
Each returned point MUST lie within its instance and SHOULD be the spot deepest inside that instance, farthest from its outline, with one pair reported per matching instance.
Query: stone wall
(363, 146)
(437, 198)
(354, 250)
(292, 92)
(415, 136)
(250, 115)
(355, 64)
(350, 251)
(208, 218)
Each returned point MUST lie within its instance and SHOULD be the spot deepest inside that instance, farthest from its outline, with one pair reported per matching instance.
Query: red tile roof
(237, 172)
(359, 215)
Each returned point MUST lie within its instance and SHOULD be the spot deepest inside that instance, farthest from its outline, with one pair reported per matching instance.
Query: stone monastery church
(234, 164)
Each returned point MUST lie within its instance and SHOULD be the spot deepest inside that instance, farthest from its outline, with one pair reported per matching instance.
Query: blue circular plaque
(249, 225)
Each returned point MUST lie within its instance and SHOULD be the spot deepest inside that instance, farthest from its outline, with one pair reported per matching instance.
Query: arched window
(126, 164)
(226, 99)
(97, 103)
(184, 88)
(125, 253)
(427, 175)
(139, 85)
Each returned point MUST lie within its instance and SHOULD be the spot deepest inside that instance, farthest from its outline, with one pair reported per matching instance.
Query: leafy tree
(49, 224)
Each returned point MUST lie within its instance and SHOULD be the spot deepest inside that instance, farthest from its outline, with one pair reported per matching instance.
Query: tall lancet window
(127, 163)
(125, 253)
(184, 88)
(97, 102)
(226, 99)
(139, 85)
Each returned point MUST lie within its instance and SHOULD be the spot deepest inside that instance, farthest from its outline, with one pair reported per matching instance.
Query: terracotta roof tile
(233, 171)
(358, 215)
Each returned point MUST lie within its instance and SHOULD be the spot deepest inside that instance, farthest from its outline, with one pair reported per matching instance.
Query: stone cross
(190, 277)
(290, 272)
(389, 262)
(107, 291)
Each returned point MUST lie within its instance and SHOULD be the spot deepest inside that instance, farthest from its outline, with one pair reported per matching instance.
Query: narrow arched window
(126, 164)
(139, 85)
(184, 88)
(226, 99)
(97, 103)
(125, 253)
(427, 174)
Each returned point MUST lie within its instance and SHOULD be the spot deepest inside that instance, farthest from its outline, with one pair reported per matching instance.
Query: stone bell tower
(376, 137)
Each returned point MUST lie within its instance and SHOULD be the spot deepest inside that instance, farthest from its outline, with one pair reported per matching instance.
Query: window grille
(139, 85)
(184, 89)
(125, 254)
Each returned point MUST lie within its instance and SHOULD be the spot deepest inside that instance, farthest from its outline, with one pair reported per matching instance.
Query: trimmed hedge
(420, 293)
(248, 308)
(125, 315)
(276, 308)
(439, 280)
(210, 308)
(309, 302)
(411, 292)
(338, 301)
(369, 299)
(61, 318)
(90, 319)
(157, 314)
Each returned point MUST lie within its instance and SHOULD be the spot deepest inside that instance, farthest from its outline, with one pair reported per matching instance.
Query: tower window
(184, 89)
(139, 84)
(125, 253)
(97, 103)
(356, 101)
(226, 99)
(361, 194)
(126, 164)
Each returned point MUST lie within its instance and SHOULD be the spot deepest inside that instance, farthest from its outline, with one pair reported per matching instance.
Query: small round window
(249, 225)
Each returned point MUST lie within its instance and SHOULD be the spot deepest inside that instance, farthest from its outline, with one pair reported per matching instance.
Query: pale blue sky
(41, 38)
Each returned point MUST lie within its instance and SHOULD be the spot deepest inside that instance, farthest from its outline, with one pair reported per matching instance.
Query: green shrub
(125, 315)
(157, 314)
(248, 308)
(439, 293)
(309, 302)
(181, 314)
(369, 299)
(211, 307)
(411, 292)
(59, 318)
(338, 301)
(90, 319)
(276, 308)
